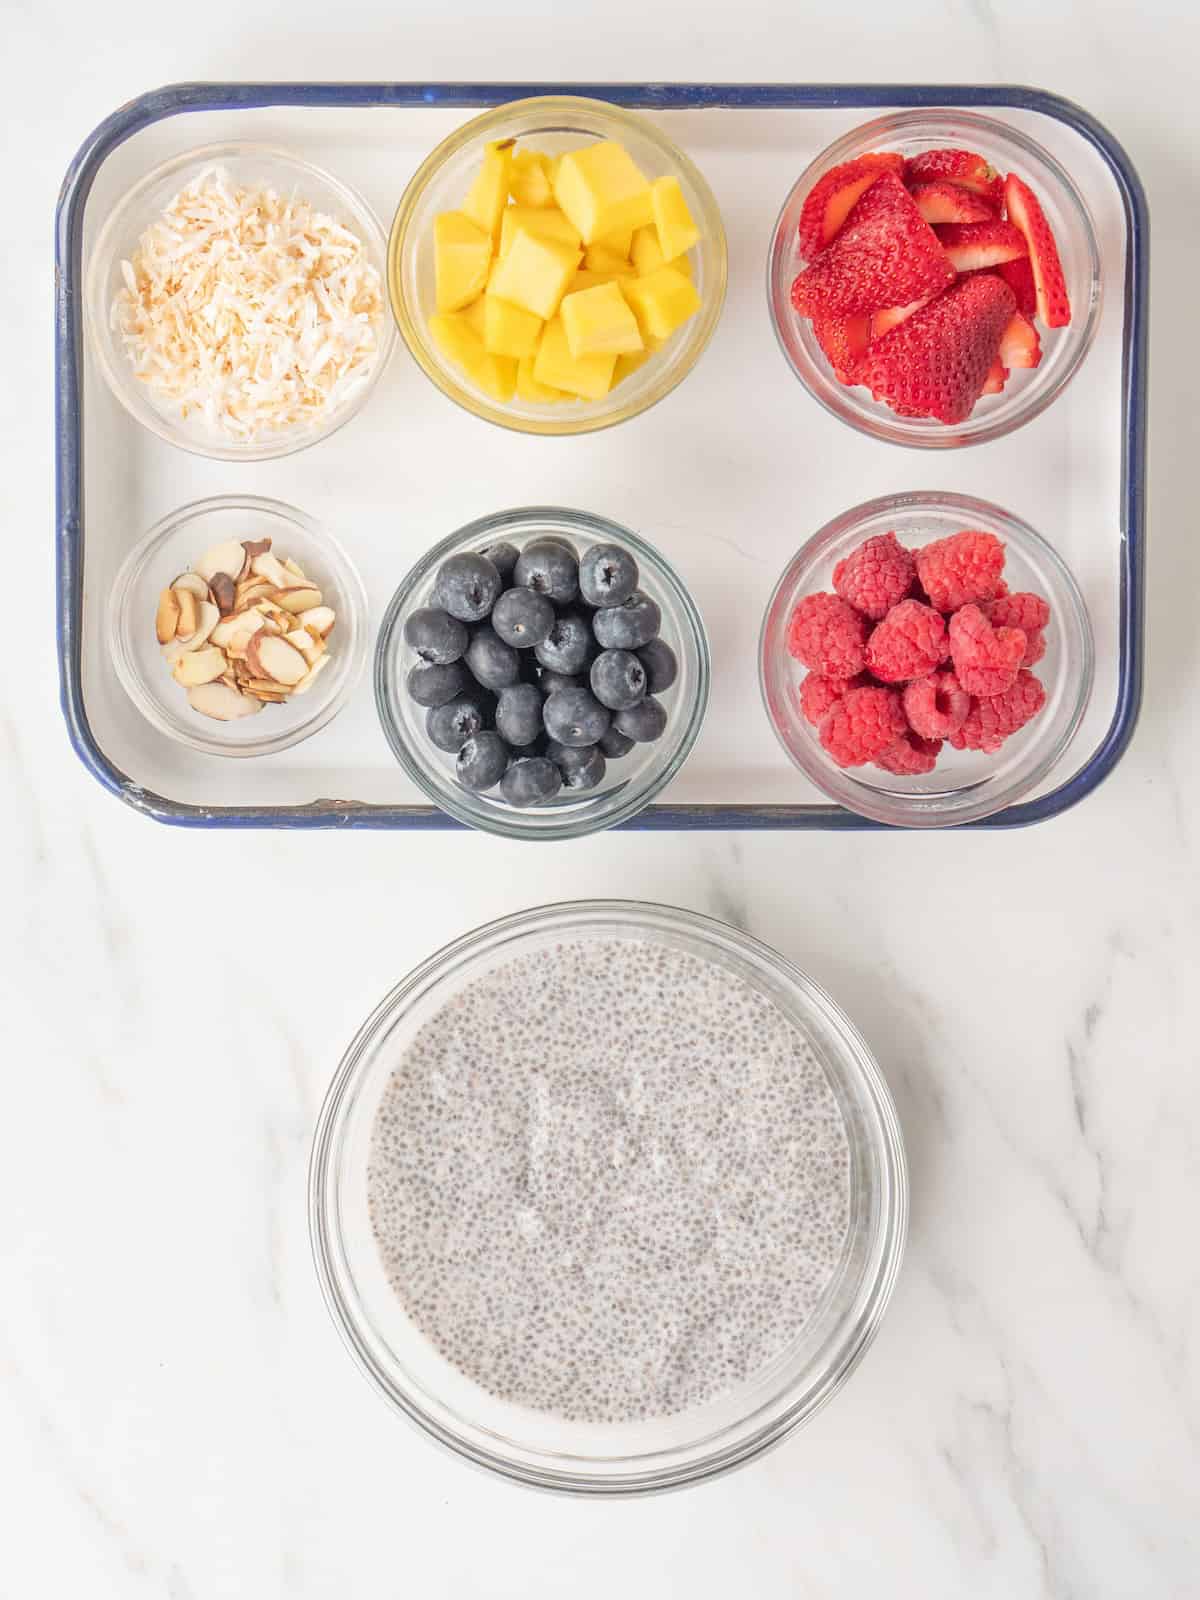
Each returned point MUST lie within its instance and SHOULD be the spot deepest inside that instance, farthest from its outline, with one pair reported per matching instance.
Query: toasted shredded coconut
(250, 308)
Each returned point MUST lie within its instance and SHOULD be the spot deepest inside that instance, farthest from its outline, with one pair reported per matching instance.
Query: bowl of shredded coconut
(237, 303)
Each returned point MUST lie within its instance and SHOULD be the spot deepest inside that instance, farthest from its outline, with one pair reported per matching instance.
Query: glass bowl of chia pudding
(607, 1197)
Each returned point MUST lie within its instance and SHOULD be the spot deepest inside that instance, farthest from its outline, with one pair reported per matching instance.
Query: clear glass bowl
(1028, 392)
(168, 550)
(553, 123)
(966, 785)
(536, 1448)
(118, 240)
(631, 782)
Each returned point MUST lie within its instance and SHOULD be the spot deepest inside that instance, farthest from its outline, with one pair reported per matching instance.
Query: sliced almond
(318, 619)
(201, 666)
(189, 614)
(255, 547)
(166, 618)
(269, 656)
(309, 645)
(256, 589)
(224, 591)
(219, 701)
(229, 557)
(294, 568)
(265, 689)
(300, 597)
(206, 622)
(269, 566)
(306, 682)
(235, 631)
(193, 583)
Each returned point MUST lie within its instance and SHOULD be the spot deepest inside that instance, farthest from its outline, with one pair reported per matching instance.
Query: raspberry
(1029, 612)
(909, 643)
(827, 636)
(862, 725)
(876, 576)
(986, 659)
(937, 706)
(992, 718)
(1035, 648)
(910, 756)
(819, 695)
(960, 570)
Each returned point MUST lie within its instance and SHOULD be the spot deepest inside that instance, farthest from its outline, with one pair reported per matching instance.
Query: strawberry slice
(884, 321)
(962, 167)
(1053, 301)
(997, 377)
(844, 341)
(943, 201)
(1019, 343)
(972, 245)
(832, 198)
(1018, 275)
(936, 363)
(885, 255)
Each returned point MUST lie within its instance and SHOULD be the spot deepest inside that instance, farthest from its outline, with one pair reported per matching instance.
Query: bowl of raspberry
(934, 278)
(926, 659)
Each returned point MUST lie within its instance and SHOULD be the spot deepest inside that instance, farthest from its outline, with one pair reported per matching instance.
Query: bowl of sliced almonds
(238, 626)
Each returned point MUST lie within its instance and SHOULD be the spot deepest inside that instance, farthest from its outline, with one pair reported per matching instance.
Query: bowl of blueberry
(542, 673)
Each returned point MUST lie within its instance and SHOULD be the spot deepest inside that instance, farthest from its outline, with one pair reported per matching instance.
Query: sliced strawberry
(997, 377)
(844, 341)
(884, 321)
(936, 363)
(885, 255)
(1053, 301)
(972, 245)
(1018, 275)
(962, 167)
(1019, 343)
(832, 198)
(943, 201)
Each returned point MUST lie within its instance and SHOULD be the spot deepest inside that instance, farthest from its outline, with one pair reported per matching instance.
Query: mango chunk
(547, 223)
(509, 330)
(629, 363)
(648, 257)
(529, 179)
(599, 322)
(473, 315)
(589, 377)
(661, 301)
(601, 190)
(586, 279)
(677, 232)
(462, 252)
(528, 388)
(535, 273)
(596, 258)
(458, 342)
(488, 194)
(620, 242)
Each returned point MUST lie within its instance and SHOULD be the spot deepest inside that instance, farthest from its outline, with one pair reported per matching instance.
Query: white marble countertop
(177, 1417)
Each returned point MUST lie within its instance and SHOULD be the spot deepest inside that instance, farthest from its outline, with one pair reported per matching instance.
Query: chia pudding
(609, 1180)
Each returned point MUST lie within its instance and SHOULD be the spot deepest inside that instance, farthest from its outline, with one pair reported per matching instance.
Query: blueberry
(503, 557)
(522, 617)
(644, 722)
(608, 575)
(493, 663)
(482, 761)
(467, 586)
(618, 679)
(580, 768)
(435, 635)
(661, 666)
(432, 684)
(548, 567)
(575, 717)
(530, 781)
(615, 745)
(568, 645)
(628, 626)
(550, 682)
(450, 726)
(519, 714)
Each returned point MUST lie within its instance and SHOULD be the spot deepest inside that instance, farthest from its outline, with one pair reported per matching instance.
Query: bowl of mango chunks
(557, 265)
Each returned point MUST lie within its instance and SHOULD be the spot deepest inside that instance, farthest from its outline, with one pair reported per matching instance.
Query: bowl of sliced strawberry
(934, 278)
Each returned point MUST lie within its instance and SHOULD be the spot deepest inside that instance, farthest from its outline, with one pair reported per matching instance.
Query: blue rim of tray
(178, 99)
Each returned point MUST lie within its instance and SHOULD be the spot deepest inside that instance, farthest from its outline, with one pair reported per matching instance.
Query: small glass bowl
(631, 782)
(1027, 393)
(118, 239)
(966, 784)
(168, 550)
(554, 123)
(533, 1447)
